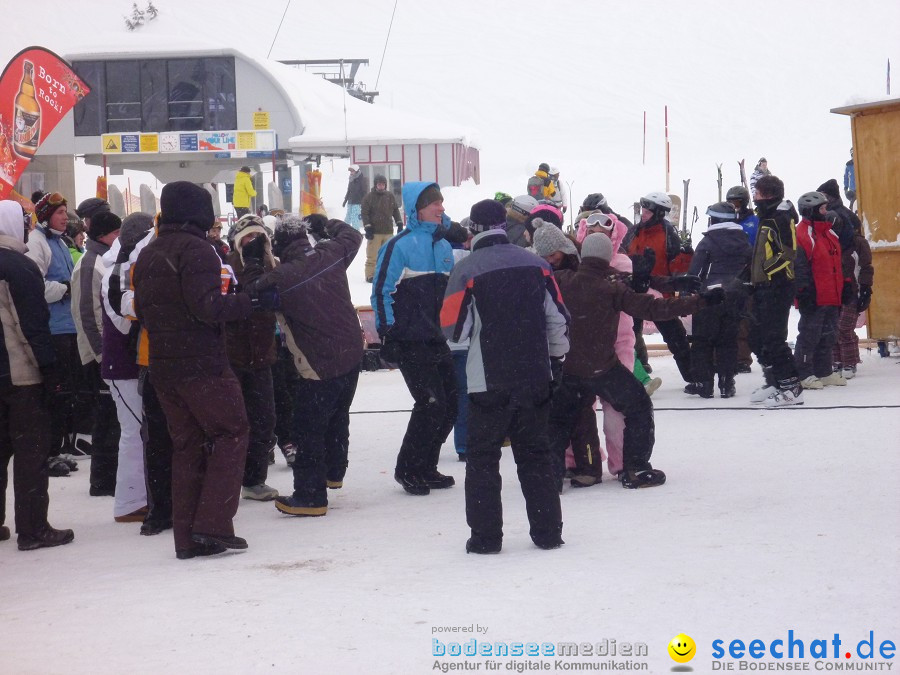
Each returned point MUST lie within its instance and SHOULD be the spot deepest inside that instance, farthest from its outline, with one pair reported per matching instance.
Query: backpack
(535, 187)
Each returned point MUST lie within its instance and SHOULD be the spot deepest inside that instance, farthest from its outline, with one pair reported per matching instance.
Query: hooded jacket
(411, 276)
(178, 299)
(25, 345)
(356, 188)
(379, 210)
(818, 263)
(243, 190)
(86, 304)
(317, 318)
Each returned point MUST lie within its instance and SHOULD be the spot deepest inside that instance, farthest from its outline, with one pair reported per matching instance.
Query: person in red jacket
(819, 285)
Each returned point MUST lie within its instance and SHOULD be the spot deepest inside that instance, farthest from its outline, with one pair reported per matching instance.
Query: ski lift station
(876, 157)
(200, 113)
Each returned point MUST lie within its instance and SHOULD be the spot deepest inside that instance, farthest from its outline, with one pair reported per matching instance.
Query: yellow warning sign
(261, 120)
(111, 143)
(149, 142)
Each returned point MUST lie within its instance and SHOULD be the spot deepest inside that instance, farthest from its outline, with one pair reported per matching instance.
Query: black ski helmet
(738, 192)
(809, 203)
(722, 212)
(543, 166)
(593, 202)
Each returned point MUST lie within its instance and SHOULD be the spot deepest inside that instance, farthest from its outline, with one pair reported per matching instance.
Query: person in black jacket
(28, 381)
(722, 254)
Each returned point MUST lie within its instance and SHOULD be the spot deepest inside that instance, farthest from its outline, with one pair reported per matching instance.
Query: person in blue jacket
(407, 293)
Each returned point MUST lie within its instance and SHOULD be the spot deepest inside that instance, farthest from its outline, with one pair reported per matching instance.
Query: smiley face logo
(682, 648)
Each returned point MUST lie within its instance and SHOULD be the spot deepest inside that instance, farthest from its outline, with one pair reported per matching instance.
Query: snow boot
(760, 394)
(849, 372)
(642, 479)
(483, 546)
(260, 493)
(701, 389)
(789, 392)
(199, 551)
(726, 387)
(4, 533)
(652, 385)
(835, 379)
(292, 507)
(812, 382)
(228, 541)
(412, 483)
(438, 481)
(45, 538)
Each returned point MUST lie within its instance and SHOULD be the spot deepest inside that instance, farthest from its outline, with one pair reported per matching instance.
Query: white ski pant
(131, 489)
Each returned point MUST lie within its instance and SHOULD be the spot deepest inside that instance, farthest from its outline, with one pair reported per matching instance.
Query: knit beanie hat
(184, 202)
(47, 206)
(830, 188)
(428, 196)
(91, 206)
(134, 227)
(488, 214)
(548, 239)
(290, 229)
(597, 245)
(103, 223)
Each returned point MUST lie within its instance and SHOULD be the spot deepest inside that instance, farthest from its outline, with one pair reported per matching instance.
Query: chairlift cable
(380, 65)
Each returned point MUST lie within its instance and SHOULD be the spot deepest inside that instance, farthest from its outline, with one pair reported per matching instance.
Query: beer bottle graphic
(27, 119)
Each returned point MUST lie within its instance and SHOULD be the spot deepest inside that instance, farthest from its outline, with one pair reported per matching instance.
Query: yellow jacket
(243, 190)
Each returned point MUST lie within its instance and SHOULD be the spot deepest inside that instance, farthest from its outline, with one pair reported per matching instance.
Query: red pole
(644, 153)
(667, 147)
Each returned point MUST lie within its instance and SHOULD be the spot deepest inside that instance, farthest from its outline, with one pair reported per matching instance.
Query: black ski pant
(675, 337)
(430, 376)
(523, 417)
(25, 435)
(157, 454)
(259, 399)
(284, 379)
(105, 433)
(816, 335)
(714, 343)
(72, 409)
(769, 328)
(322, 429)
(622, 391)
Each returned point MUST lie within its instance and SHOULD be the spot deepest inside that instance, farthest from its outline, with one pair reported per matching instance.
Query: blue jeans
(462, 414)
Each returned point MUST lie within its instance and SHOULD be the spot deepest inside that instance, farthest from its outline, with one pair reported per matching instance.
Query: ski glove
(714, 296)
(865, 297)
(390, 350)
(687, 283)
(264, 299)
(254, 252)
(641, 269)
(806, 300)
(370, 232)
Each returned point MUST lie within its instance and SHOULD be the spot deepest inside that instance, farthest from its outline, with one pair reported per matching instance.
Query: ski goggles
(601, 221)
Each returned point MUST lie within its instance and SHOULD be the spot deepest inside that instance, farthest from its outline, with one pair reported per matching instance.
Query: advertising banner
(37, 88)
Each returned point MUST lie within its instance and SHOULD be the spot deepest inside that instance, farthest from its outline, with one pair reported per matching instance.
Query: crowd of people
(192, 358)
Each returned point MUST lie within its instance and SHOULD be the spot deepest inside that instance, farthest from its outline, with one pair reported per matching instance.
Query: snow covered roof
(871, 104)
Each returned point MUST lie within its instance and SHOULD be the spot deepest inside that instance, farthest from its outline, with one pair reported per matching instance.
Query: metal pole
(667, 147)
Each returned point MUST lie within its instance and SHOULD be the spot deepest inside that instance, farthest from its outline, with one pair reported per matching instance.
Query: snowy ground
(770, 521)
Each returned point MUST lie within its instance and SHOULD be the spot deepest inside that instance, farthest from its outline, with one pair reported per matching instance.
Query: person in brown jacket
(250, 345)
(181, 300)
(594, 297)
(379, 214)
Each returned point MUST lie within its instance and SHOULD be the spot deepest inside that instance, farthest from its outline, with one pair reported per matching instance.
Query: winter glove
(641, 269)
(556, 372)
(264, 299)
(370, 232)
(865, 297)
(686, 283)
(714, 296)
(390, 350)
(806, 300)
(254, 252)
(68, 293)
(51, 385)
(687, 249)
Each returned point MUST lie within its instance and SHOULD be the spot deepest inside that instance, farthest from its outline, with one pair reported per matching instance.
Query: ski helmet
(810, 202)
(593, 202)
(523, 204)
(722, 212)
(543, 166)
(657, 202)
(554, 171)
(738, 192)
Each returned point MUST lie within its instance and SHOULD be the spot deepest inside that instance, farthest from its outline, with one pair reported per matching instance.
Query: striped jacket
(506, 299)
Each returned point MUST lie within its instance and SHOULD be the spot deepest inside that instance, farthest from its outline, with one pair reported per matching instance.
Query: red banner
(37, 88)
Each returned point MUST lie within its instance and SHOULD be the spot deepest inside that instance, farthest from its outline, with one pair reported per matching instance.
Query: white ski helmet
(523, 204)
(657, 201)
